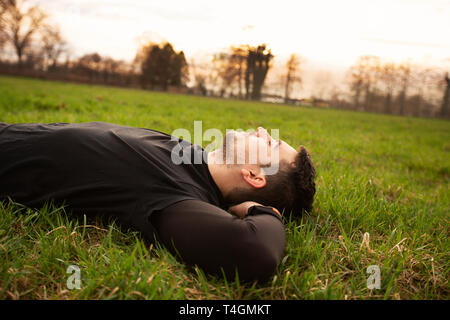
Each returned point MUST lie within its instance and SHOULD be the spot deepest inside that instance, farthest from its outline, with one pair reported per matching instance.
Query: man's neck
(220, 174)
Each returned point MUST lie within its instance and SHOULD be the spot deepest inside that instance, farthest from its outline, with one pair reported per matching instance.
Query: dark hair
(291, 189)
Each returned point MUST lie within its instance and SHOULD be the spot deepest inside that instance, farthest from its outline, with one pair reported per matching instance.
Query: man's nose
(261, 132)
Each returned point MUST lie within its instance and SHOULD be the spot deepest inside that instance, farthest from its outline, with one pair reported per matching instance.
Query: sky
(329, 35)
(324, 32)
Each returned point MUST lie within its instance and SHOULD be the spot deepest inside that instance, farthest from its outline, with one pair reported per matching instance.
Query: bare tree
(445, 108)
(426, 80)
(225, 71)
(230, 66)
(356, 85)
(388, 78)
(363, 76)
(2, 23)
(404, 74)
(201, 73)
(19, 24)
(53, 46)
(238, 58)
(292, 77)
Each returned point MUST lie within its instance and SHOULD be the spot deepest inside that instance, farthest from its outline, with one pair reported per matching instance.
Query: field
(383, 175)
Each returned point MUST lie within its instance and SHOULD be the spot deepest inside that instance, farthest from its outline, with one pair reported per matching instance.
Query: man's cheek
(252, 152)
(264, 154)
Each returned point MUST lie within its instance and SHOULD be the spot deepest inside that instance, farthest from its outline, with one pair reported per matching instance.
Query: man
(129, 174)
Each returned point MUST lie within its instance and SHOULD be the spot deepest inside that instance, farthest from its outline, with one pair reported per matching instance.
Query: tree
(356, 85)
(230, 68)
(161, 66)
(109, 68)
(53, 46)
(238, 58)
(425, 79)
(388, 77)
(203, 74)
(2, 23)
(404, 71)
(90, 65)
(19, 24)
(292, 67)
(445, 108)
(258, 64)
(363, 76)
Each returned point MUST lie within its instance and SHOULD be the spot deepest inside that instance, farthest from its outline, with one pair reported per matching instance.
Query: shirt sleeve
(220, 243)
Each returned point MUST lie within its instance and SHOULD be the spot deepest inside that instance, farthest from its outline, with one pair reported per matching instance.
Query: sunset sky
(325, 32)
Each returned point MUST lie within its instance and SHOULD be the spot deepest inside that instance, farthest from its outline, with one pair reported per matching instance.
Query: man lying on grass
(212, 213)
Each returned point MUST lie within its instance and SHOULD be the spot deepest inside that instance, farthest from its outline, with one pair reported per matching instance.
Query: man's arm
(212, 238)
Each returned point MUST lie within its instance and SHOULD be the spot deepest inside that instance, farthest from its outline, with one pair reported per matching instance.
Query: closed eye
(278, 143)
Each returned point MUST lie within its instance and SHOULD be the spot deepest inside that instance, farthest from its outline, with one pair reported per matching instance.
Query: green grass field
(383, 175)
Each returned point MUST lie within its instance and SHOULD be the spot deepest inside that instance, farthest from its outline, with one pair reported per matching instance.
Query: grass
(383, 175)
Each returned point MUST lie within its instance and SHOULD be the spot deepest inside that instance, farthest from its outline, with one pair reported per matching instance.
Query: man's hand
(240, 210)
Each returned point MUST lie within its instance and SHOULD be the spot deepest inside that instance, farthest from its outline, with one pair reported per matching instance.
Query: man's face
(257, 147)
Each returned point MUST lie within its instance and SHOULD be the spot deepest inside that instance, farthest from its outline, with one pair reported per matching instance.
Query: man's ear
(253, 178)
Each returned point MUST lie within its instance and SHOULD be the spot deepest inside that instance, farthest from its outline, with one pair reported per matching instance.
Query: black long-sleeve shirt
(127, 173)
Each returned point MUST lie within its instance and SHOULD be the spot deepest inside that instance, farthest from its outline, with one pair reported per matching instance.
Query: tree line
(398, 88)
(31, 45)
